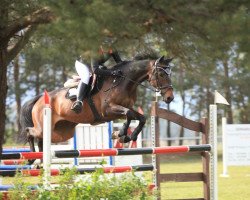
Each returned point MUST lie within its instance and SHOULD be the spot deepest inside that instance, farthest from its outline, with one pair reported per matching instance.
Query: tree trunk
(8, 29)
(37, 82)
(17, 93)
(228, 92)
(181, 135)
(64, 74)
(3, 93)
(208, 97)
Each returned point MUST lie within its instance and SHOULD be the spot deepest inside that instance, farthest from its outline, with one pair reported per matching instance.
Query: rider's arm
(107, 72)
(102, 72)
(114, 53)
(104, 56)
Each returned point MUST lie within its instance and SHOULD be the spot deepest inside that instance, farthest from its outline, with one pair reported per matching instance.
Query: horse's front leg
(142, 120)
(120, 112)
(130, 115)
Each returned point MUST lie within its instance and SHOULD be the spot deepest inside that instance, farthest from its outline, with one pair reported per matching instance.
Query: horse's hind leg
(40, 145)
(31, 134)
(32, 146)
(40, 148)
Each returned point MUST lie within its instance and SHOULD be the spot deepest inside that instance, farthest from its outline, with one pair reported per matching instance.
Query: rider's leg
(82, 90)
(83, 72)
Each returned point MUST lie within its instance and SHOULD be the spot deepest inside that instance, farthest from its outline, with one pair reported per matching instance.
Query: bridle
(155, 73)
(156, 68)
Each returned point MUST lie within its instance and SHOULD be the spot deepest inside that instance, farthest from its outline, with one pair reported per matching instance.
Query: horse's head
(160, 78)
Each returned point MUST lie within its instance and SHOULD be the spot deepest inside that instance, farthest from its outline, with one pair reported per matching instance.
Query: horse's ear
(168, 60)
(161, 59)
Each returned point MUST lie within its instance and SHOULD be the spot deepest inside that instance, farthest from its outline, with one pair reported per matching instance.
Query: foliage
(209, 41)
(72, 186)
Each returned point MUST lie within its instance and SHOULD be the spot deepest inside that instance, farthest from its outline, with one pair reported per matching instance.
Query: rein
(138, 83)
(155, 71)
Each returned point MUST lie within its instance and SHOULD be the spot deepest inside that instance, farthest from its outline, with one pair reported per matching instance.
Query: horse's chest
(126, 102)
(122, 96)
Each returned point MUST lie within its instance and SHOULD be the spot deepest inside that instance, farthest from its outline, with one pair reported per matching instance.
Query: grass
(236, 186)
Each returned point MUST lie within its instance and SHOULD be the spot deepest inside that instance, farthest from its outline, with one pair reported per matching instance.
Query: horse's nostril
(169, 99)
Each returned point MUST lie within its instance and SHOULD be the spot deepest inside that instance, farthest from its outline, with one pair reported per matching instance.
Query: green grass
(235, 187)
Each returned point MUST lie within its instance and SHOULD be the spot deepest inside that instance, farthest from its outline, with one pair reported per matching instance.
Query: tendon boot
(78, 104)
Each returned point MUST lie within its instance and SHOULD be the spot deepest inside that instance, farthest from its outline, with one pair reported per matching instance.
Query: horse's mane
(146, 55)
(121, 64)
(140, 56)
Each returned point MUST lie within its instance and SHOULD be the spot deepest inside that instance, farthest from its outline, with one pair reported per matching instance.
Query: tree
(18, 22)
(198, 33)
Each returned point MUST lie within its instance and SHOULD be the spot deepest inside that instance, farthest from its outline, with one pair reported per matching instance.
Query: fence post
(46, 141)
(205, 159)
(213, 155)
(155, 143)
(224, 148)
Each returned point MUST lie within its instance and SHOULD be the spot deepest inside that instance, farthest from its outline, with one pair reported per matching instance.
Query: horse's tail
(25, 118)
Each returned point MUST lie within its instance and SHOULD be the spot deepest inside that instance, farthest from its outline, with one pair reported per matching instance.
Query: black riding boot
(77, 105)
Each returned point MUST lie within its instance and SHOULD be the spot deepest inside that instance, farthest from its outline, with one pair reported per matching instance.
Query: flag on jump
(218, 98)
(46, 98)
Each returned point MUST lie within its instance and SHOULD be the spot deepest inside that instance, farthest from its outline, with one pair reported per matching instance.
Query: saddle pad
(71, 83)
(71, 94)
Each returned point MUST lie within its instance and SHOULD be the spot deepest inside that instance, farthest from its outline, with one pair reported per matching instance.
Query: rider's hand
(117, 73)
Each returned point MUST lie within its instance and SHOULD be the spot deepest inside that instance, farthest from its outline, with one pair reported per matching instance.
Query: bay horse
(114, 99)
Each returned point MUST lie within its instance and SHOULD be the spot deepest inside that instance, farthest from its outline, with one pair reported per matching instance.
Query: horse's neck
(138, 71)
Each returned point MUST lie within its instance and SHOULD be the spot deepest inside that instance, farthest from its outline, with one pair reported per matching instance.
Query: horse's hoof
(124, 139)
(115, 135)
(122, 133)
(37, 166)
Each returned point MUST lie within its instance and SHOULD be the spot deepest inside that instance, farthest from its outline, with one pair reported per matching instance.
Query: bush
(72, 186)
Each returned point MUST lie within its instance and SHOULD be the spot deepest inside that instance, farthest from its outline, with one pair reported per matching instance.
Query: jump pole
(46, 141)
(110, 152)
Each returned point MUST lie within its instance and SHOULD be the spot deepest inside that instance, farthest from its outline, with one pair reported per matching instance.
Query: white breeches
(83, 72)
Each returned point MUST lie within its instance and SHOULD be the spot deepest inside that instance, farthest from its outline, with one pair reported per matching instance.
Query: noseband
(167, 72)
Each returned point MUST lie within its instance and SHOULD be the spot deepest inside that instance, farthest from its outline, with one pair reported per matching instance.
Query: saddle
(95, 84)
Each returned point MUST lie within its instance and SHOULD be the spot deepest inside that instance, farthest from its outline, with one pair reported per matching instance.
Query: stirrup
(76, 104)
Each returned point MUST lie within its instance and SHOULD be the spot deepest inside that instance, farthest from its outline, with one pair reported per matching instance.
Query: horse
(113, 99)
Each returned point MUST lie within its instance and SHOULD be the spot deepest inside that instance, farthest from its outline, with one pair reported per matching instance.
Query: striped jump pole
(8, 187)
(15, 150)
(55, 172)
(109, 152)
(14, 167)
(14, 162)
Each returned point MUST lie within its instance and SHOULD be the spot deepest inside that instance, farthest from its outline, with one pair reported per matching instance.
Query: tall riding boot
(82, 90)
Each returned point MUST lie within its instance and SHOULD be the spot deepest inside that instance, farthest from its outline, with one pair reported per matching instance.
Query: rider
(84, 73)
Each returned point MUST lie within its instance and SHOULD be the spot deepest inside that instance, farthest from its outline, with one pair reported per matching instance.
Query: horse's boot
(77, 105)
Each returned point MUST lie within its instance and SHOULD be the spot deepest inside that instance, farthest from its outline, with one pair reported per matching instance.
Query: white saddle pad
(72, 91)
